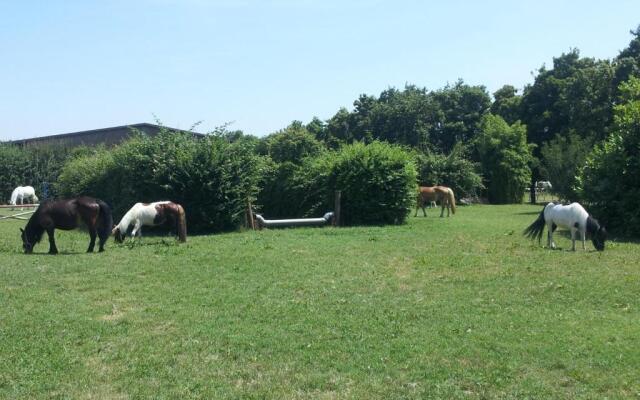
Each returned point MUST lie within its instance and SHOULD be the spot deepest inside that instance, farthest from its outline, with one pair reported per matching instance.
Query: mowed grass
(460, 307)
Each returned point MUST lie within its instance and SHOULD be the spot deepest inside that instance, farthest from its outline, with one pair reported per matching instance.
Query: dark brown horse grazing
(436, 193)
(67, 215)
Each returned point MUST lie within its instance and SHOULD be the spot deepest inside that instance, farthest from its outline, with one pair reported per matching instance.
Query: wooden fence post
(336, 211)
(251, 222)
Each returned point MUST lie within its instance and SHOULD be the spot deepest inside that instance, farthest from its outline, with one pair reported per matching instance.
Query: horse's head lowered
(118, 235)
(28, 241)
(598, 233)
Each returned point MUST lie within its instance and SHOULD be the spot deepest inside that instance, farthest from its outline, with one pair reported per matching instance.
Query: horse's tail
(452, 200)
(105, 222)
(534, 231)
(182, 224)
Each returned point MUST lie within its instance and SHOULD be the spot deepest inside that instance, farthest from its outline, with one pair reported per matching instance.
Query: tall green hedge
(29, 166)
(377, 181)
(210, 177)
(454, 170)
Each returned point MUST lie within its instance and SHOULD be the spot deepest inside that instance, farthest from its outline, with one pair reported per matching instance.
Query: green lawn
(460, 307)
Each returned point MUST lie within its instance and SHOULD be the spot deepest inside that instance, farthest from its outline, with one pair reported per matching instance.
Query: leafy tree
(562, 157)
(292, 144)
(627, 64)
(574, 96)
(505, 158)
(610, 180)
(506, 103)
(413, 117)
(462, 107)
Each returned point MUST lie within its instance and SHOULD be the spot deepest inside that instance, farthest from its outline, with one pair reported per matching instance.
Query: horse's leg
(550, 243)
(52, 241)
(573, 239)
(137, 229)
(92, 234)
(583, 236)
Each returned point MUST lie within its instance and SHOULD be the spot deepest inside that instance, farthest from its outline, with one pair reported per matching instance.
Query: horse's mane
(592, 225)
(34, 230)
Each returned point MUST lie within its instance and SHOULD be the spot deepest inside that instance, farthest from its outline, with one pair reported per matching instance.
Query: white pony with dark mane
(22, 193)
(573, 217)
(153, 214)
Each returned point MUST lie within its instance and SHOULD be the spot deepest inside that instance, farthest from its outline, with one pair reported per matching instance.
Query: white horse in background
(573, 217)
(21, 193)
(153, 214)
(543, 187)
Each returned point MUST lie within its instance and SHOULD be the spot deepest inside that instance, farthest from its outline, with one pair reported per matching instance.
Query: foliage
(562, 157)
(627, 63)
(574, 96)
(454, 170)
(287, 150)
(463, 108)
(292, 144)
(507, 104)
(211, 177)
(610, 180)
(277, 197)
(505, 156)
(377, 181)
(414, 117)
(30, 166)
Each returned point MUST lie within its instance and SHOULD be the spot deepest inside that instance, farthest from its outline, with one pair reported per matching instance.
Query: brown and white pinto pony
(158, 213)
(67, 215)
(436, 193)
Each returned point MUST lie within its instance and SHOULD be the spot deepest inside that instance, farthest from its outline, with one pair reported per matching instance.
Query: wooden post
(251, 222)
(336, 211)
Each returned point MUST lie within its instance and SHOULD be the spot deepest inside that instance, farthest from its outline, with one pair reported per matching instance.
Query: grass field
(463, 307)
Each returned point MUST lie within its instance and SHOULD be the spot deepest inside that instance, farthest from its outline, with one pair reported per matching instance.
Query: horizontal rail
(18, 205)
(18, 215)
(274, 223)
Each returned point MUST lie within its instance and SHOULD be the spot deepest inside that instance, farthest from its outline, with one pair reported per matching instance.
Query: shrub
(505, 158)
(453, 170)
(378, 184)
(32, 166)
(210, 177)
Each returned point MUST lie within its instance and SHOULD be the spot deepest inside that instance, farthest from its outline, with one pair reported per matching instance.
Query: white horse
(158, 213)
(21, 193)
(573, 217)
(543, 187)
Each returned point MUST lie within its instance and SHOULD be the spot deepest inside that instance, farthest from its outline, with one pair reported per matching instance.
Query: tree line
(577, 124)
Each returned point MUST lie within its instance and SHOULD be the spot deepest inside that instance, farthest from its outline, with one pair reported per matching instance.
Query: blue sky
(74, 65)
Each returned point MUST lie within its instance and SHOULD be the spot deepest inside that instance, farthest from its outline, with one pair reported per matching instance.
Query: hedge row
(210, 177)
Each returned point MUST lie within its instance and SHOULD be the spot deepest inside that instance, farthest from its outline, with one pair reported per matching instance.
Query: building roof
(111, 135)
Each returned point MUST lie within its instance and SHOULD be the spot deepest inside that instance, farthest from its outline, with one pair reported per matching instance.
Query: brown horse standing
(67, 215)
(436, 193)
